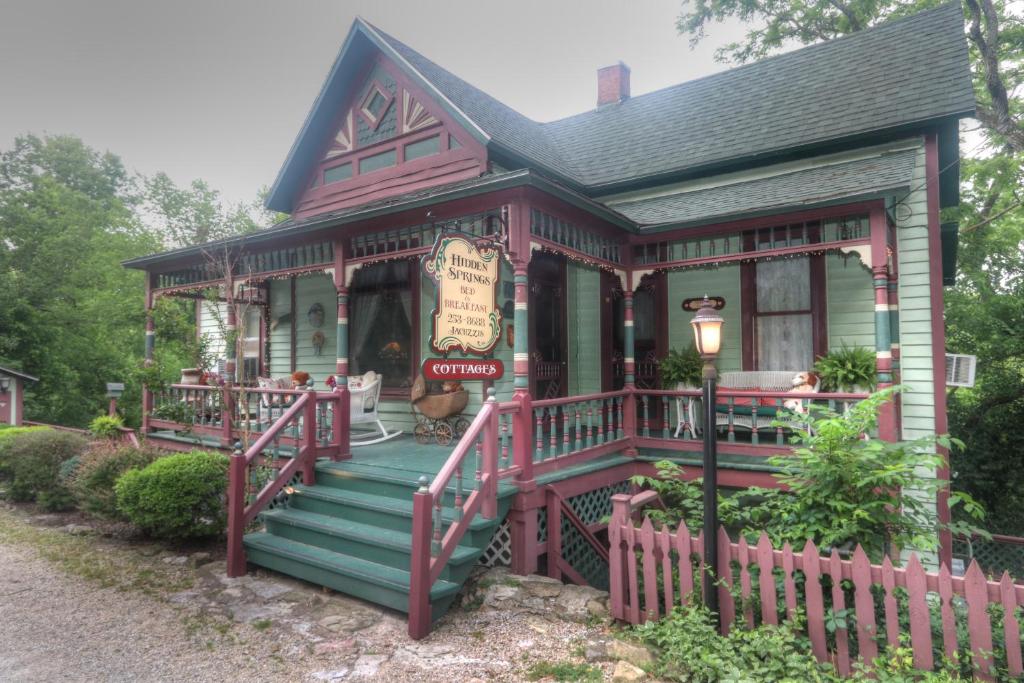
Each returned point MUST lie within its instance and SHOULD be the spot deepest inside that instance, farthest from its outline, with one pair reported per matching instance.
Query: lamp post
(114, 391)
(707, 332)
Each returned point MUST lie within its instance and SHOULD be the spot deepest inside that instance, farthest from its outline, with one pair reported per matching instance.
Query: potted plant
(848, 369)
(681, 369)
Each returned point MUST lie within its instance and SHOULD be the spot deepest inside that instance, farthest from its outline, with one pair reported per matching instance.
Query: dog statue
(803, 382)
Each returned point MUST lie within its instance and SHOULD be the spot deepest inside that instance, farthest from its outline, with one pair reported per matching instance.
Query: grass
(564, 671)
(92, 559)
(262, 624)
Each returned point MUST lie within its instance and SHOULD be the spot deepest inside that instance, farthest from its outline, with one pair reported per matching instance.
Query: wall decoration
(318, 341)
(466, 314)
(315, 315)
(445, 369)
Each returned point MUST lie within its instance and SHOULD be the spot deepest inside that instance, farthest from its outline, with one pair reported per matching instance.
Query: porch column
(231, 351)
(342, 411)
(523, 520)
(883, 346)
(629, 365)
(894, 347)
(147, 395)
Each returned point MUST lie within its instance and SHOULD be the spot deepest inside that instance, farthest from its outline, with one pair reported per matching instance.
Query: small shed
(12, 395)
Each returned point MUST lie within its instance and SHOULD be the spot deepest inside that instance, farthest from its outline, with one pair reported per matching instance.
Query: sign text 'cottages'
(466, 315)
(444, 369)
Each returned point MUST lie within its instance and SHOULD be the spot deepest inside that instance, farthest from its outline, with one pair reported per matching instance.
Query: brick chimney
(612, 84)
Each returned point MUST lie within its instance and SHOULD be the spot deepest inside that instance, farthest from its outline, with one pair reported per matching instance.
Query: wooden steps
(350, 531)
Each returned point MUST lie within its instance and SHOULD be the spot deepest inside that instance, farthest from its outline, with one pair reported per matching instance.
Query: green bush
(98, 470)
(106, 426)
(7, 435)
(681, 366)
(176, 497)
(690, 649)
(33, 460)
(847, 369)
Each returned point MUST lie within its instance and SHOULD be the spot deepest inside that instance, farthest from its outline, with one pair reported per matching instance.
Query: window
(377, 161)
(453, 143)
(423, 148)
(785, 313)
(382, 330)
(252, 347)
(337, 173)
(376, 104)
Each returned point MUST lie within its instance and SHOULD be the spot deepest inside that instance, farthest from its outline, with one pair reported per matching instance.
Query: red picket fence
(852, 607)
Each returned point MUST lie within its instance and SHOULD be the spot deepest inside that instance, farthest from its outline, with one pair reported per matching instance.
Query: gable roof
(892, 77)
(18, 373)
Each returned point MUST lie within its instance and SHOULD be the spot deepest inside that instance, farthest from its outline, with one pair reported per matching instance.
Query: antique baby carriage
(438, 415)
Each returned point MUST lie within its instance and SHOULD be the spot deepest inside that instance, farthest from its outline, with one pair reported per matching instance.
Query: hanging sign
(462, 369)
(466, 315)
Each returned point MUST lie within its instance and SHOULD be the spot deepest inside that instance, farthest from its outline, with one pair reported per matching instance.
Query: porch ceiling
(858, 179)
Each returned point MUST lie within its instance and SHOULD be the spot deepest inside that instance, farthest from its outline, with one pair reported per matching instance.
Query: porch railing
(240, 413)
(652, 571)
(432, 543)
(306, 422)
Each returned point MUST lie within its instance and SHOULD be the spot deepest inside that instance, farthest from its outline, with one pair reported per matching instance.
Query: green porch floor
(403, 456)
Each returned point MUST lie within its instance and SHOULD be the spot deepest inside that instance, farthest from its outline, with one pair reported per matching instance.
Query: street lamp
(114, 391)
(707, 332)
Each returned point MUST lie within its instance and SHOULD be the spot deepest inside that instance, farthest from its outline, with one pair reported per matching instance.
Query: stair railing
(302, 412)
(432, 546)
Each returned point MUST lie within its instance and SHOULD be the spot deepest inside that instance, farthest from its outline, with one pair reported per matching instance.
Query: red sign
(465, 369)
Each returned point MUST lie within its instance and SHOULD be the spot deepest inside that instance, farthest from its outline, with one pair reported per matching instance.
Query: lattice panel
(993, 556)
(499, 551)
(578, 553)
(593, 506)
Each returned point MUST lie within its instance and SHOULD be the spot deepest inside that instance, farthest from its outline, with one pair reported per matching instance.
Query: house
(804, 190)
(12, 395)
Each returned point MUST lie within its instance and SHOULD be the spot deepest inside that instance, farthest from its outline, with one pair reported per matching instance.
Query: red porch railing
(239, 413)
(432, 544)
(304, 423)
(652, 571)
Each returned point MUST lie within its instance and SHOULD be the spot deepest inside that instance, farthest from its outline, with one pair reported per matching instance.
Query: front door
(548, 347)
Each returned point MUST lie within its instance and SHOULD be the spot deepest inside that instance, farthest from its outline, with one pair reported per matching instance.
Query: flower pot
(191, 375)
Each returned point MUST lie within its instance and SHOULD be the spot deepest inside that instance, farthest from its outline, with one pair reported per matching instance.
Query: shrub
(176, 497)
(7, 435)
(690, 649)
(93, 480)
(34, 460)
(682, 366)
(106, 426)
(849, 368)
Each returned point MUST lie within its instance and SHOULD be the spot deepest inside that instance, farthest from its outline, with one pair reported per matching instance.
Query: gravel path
(75, 606)
(55, 627)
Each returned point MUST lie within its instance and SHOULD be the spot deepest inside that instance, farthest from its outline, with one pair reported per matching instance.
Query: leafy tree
(985, 309)
(196, 215)
(67, 220)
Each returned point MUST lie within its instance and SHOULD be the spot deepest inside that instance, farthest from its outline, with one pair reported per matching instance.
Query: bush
(106, 426)
(7, 435)
(92, 482)
(176, 497)
(33, 460)
(690, 649)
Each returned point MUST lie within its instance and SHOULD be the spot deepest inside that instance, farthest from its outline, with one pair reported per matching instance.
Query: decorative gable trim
(344, 139)
(375, 90)
(414, 115)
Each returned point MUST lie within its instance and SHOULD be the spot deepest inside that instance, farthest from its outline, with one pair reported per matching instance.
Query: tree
(985, 309)
(196, 215)
(66, 221)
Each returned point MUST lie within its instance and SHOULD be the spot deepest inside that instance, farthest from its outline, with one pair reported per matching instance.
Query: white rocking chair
(365, 400)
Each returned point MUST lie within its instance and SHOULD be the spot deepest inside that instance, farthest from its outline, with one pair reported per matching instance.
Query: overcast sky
(217, 89)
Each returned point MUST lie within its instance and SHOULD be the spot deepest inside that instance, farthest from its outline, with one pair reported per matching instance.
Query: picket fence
(653, 571)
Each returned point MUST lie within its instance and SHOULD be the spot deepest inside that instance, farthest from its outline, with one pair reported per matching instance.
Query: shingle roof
(896, 74)
(861, 177)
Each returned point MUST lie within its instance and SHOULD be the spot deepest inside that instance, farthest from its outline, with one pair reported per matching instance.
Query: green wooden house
(803, 189)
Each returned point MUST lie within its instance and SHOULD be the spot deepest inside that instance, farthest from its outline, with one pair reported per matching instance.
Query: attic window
(375, 104)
